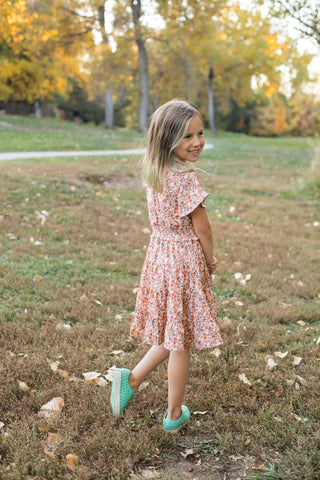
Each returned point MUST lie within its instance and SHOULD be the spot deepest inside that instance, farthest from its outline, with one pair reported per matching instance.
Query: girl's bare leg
(178, 368)
(156, 355)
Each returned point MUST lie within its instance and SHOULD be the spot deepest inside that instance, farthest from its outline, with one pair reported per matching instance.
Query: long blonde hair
(167, 128)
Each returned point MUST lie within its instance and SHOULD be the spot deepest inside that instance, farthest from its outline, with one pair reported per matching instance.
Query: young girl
(175, 307)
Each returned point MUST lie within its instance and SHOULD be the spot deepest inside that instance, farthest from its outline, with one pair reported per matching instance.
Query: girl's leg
(178, 368)
(156, 355)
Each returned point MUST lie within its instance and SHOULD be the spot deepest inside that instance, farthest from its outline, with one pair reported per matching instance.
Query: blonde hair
(168, 126)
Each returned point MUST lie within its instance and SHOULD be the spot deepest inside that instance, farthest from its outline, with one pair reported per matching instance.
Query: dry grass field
(74, 234)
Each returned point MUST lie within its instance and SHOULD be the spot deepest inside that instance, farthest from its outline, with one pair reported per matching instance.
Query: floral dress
(175, 302)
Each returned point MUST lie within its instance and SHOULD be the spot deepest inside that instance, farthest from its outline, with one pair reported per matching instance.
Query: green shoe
(173, 426)
(121, 391)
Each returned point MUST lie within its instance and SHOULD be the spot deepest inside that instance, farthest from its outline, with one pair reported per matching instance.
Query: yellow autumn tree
(40, 46)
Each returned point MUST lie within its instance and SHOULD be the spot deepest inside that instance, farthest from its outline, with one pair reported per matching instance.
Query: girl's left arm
(203, 231)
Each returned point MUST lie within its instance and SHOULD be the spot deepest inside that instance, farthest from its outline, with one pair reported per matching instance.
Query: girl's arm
(203, 231)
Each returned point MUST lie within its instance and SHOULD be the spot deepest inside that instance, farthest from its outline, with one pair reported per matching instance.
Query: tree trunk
(108, 106)
(109, 112)
(212, 124)
(37, 109)
(143, 66)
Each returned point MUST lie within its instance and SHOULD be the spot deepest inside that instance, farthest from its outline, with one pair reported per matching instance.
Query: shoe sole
(117, 384)
(176, 430)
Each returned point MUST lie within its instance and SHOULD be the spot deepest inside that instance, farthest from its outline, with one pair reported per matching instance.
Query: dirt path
(6, 156)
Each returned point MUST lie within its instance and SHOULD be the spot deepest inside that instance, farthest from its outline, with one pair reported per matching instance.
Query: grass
(73, 243)
(18, 134)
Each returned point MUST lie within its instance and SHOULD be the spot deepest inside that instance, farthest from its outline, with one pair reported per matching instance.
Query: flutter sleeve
(191, 194)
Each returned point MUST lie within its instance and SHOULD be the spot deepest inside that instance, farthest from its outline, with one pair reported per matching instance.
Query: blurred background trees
(115, 62)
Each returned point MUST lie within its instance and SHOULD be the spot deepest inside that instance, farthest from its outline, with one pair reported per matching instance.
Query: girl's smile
(193, 142)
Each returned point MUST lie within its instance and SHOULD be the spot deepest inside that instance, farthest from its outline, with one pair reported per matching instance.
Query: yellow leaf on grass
(301, 323)
(62, 373)
(71, 461)
(53, 441)
(23, 386)
(216, 352)
(260, 466)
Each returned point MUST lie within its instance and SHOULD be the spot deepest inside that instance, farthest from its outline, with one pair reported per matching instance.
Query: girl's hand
(212, 265)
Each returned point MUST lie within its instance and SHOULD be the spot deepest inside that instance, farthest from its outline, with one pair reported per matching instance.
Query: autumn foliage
(47, 46)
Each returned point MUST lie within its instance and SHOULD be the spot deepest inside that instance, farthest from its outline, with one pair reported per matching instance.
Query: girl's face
(192, 143)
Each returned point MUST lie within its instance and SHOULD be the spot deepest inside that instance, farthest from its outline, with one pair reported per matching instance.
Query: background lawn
(74, 233)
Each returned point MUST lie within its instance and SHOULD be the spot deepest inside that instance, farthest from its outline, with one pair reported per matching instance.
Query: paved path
(5, 156)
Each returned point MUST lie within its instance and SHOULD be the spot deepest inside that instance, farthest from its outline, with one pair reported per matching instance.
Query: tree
(306, 13)
(212, 123)
(40, 44)
(143, 65)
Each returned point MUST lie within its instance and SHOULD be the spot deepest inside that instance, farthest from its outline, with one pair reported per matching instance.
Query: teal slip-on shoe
(121, 392)
(174, 426)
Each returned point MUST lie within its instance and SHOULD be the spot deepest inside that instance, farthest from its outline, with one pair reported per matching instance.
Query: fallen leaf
(54, 440)
(100, 381)
(148, 474)
(271, 363)
(244, 379)
(300, 419)
(187, 453)
(89, 377)
(71, 461)
(143, 386)
(109, 375)
(117, 352)
(54, 365)
(280, 354)
(285, 304)
(23, 386)
(200, 413)
(227, 321)
(301, 323)
(296, 360)
(63, 326)
(52, 409)
(301, 380)
(238, 303)
(62, 373)
(94, 377)
(216, 352)
(260, 466)
(290, 382)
